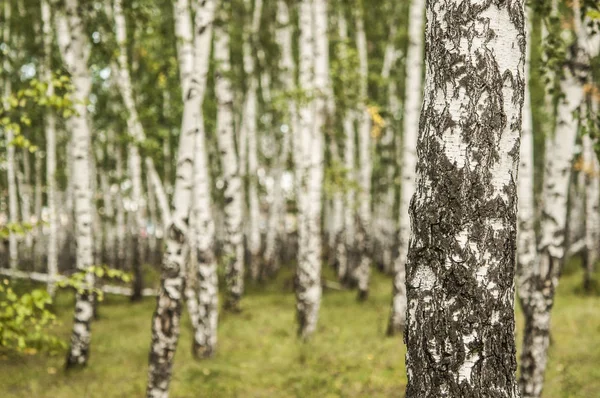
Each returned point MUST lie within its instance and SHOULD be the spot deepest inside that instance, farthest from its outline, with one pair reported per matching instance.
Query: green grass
(259, 355)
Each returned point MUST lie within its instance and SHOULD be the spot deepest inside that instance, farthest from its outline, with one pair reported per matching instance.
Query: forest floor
(259, 355)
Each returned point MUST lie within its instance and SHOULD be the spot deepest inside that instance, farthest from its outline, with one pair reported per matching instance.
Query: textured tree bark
(167, 317)
(249, 126)
(13, 210)
(461, 257)
(233, 247)
(75, 53)
(314, 78)
(542, 283)
(205, 329)
(413, 100)
(363, 270)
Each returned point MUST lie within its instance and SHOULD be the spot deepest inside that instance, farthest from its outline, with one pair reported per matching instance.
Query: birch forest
(309, 198)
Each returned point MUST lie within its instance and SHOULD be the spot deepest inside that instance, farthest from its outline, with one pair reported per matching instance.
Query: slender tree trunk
(363, 271)
(38, 228)
(205, 334)
(592, 208)
(276, 230)
(249, 125)
(314, 78)
(166, 321)
(346, 249)
(13, 210)
(136, 131)
(75, 52)
(538, 301)
(387, 223)
(25, 193)
(461, 257)
(120, 213)
(233, 249)
(527, 255)
(412, 107)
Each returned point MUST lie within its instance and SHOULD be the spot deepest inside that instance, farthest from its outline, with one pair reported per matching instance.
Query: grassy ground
(259, 355)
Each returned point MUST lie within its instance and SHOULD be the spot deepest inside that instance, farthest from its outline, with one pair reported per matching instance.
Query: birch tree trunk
(13, 210)
(25, 194)
(412, 107)
(249, 125)
(50, 131)
(526, 253)
(314, 78)
(205, 335)
(461, 256)
(592, 208)
(166, 320)
(233, 250)
(363, 271)
(387, 223)
(38, 228)
(75, 53)
(346, 248)
(541, 284)
(120, 216)
(276, 230)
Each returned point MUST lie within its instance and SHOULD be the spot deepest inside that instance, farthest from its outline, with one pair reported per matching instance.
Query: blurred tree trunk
(233, 250)
(249, 125)
(461, 258)
(346, 247)
(13, 210)
(541, 284)
(276, 223)
(412, 108)
(25, 194)
(314, 78)
(385, 209)
(75, 52)
(363, 270)
(592, 208)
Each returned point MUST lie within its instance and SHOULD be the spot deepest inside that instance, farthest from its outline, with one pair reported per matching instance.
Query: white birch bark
(461, 257)
(13, 210)
(75, 52)
(387, 225)
(233, 248)
(363, 270)
(537, 303)
(314, 78)
(275, 229)
(205, 330)
(166, 320)
(412, 108)
(249, 126)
